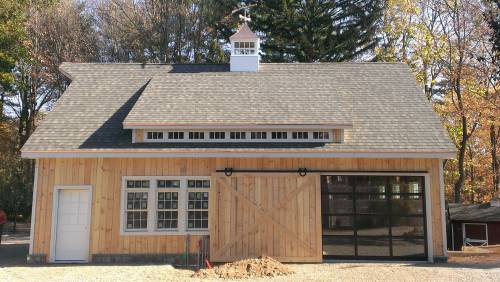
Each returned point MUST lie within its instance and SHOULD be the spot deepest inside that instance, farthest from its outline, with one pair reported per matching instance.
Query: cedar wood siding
(105, 177)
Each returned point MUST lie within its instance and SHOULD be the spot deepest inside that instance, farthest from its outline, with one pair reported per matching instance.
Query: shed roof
(476, 213)
(388, 110)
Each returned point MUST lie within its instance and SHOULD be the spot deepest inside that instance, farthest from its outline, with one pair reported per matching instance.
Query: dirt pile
(261, 267)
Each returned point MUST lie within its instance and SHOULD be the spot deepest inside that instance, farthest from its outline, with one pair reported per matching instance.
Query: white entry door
(72, 229)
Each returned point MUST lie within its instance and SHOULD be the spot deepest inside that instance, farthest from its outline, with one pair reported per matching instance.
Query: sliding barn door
(277, 215)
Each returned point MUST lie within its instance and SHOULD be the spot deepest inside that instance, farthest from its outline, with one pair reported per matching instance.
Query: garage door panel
(275, 215)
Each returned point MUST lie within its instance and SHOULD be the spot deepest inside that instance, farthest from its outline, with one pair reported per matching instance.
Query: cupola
(244, 50)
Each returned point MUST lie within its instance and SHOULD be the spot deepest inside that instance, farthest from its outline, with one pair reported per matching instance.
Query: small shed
(474, 225)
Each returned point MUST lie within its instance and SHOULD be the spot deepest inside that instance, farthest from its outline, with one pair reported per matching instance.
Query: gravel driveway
(14, 268)
(304, 272)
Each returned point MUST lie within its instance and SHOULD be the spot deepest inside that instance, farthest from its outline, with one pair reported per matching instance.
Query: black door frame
(388, 194)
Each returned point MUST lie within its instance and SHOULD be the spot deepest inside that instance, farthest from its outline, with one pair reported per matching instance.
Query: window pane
(331, 203)
(371, 184)
(408, 247)
(407, 226)
(372, 225)
(338, 246)
(371, 203)
(337, 225)
(373, 246)
(401, 204)
(337, 184)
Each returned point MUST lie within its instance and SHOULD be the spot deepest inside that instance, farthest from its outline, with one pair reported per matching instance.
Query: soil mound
(261, 267)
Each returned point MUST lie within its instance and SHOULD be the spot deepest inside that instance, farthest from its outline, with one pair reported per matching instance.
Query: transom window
(300, 135)
(244, 48)
(321, 135)
(217, 135)
(197, 135)
(176, 135)
(238, 135)
(154, 135)
(165, 204)
(259, 135)
(279, 135)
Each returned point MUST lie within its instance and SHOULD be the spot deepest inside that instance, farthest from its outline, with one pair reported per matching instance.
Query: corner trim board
(33, 209)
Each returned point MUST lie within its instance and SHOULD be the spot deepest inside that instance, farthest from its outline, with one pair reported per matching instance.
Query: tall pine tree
(316, 30)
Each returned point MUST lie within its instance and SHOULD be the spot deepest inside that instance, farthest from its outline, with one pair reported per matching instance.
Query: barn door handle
(228, 171)
(302, 171)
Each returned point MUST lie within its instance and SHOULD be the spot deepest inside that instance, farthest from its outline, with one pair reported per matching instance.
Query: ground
(14, 249)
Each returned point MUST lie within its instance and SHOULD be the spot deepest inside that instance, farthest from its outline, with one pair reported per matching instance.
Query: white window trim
(227, 136)
(152, 211)
(464, 234)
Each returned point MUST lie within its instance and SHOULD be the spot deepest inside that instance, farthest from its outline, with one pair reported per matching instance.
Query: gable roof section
(388, 110)
(267, 97)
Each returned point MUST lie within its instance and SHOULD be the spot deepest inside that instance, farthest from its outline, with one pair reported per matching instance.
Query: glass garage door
(373, 217)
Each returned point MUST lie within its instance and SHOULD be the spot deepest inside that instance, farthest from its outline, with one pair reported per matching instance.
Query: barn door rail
(303, 171)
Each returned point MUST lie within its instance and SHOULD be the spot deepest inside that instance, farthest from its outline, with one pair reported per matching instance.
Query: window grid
(321, 135)
(196, 135)
(279, 135)
(167, 209)
(197, 209)
(154, 135)
(300, 135)
(258, 135)
(136, 210)
(176, 135)
(244, 48)
(217, 135)
(160, 204)
(238, 135)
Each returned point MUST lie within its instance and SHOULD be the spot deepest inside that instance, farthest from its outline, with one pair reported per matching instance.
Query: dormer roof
(244, 33)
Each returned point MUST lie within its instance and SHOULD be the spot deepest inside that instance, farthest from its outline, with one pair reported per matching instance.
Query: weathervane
(245, 18)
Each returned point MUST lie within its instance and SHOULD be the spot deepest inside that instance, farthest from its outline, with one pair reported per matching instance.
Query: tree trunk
(495, 162)
(461, 162)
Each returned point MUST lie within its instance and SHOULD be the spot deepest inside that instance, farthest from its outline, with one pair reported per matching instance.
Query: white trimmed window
(244, 48)
(217, 135)
(198, 135)
(321, 135)
(258, 135)
(175, 135)
(237, 135)
(197, 204)
(300, 135)
(165, 205)
(136, 210)
(279, 135)
(154, 135)
(242, 135)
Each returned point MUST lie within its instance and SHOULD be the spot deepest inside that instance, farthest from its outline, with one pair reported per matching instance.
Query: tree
(411, 34)
(158, 31)
(12, 34)
(316, 31)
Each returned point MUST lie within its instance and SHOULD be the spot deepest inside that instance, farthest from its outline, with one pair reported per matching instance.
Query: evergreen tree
(316, 30)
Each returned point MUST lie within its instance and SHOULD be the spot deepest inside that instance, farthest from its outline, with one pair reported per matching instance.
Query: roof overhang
(174, 126)
(229, 154)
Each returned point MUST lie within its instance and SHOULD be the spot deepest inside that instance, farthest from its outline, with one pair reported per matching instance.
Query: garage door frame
(427, 200)
(55, 208)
